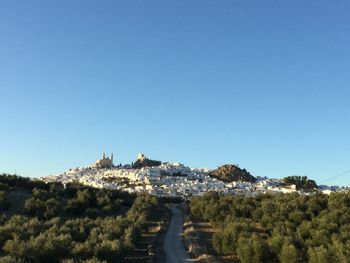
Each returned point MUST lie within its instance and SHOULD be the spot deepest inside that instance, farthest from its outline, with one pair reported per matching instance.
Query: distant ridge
(232, 173)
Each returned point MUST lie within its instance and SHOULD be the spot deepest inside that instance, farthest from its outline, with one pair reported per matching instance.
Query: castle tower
(141, 157)
(111, 158)
(103, 156)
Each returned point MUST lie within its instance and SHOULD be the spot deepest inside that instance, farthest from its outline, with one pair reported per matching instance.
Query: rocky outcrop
(142, 161)
(231, 173)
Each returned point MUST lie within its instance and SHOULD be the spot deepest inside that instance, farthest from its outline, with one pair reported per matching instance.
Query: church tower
(104, 162)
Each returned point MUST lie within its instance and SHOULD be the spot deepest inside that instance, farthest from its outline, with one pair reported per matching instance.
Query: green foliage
(10, 259)
(289, 254)
(4, 204)
(279, 227)
(23, 182)
(319, 255)
(245, 250)
(145, 163)
(52, 208)
(40, 194)
(93, 202)
(72, 224)
(46, 247)
(104, 238)
(4, 187)
(225, 241)
(253, 250)
(35, 207)
(301, 182)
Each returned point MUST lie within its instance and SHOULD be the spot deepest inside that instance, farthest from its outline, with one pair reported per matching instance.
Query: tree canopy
(71, 223)
(286, 228)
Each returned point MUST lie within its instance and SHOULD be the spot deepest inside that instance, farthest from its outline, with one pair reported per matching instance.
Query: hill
(301, 182)
(52, 222)
(143, 161)
(232, 173)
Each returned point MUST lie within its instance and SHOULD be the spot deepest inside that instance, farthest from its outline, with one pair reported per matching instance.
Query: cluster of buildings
(165, 180)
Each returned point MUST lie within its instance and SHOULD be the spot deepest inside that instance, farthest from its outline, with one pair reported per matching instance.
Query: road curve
(173, 244)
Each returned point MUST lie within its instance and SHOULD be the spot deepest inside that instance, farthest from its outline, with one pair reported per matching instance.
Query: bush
(4, 204)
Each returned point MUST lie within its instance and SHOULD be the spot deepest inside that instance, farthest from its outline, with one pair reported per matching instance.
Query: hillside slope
(145, 162)
(232, 173)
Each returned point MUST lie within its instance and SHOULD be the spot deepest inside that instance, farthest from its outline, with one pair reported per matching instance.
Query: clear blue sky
(264, 84)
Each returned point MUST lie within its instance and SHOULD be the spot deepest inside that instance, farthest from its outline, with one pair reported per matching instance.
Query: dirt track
(173, 244)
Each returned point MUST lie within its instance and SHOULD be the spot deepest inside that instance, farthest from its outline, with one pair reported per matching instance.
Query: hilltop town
(171, 179)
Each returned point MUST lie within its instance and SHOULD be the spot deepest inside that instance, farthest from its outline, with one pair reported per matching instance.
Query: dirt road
(173, 244)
